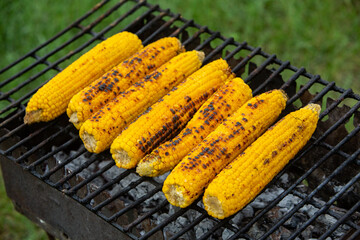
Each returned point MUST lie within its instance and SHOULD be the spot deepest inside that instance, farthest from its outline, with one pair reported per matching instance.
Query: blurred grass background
(322, 36)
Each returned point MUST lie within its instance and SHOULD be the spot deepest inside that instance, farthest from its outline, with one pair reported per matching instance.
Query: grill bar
(133, 204)
(62, 164)
(151, 22)
(88, 198)
(344, 164)
(146, 215)
(246, 60)
(327, 205)
(27, 139)
(162, 28)
(320, 204)
(218, 49)
(162, 225)
(48, 155)
(303, 89)
(260, 68)
(300, 179)
(82, 167)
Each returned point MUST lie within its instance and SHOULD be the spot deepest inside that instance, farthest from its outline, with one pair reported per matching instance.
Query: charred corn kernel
(51, 100)
(104, 126)
(169, 114)
(194, 172)
(241, 180)
(89, 100)
(222, 104)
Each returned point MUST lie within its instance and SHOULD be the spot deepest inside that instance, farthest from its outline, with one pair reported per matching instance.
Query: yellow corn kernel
(89, 100)
(169, 114)
(52, 99)
(190, 177)
(241, 180)
(102, 128)
(222, 104)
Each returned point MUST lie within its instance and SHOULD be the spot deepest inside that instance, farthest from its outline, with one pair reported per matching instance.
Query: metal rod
(322, 184)
(160, 29)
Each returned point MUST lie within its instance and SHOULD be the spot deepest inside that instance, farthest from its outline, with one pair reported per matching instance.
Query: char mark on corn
(222, 104)
(89, 100)
(104, 126)
(190, 177)
(52, 99)
(169, 115)
(241, 180)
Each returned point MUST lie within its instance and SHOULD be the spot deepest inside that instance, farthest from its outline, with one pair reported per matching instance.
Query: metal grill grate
(323, 177)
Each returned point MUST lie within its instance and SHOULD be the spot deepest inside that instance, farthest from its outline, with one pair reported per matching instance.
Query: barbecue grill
(74, 194)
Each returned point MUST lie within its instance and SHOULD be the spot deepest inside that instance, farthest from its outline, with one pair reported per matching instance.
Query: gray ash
(130, 187)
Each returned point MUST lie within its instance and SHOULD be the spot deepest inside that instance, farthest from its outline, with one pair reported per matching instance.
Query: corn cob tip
(145, 166)
(121, 158)
(89, 141)
(213, 206)
(181, 47)
(74, 118)
(314, 107)
(201, 55)
(175, 196)
(33, 116)
(284, 94)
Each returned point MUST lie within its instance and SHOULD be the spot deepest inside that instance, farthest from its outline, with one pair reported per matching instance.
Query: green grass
(322, 36)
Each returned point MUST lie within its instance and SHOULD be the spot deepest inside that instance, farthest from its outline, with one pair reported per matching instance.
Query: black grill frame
(151, 25)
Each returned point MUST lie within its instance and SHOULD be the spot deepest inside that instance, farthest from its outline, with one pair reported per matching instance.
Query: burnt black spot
(274, 153)
(102, 87)
(187, 98)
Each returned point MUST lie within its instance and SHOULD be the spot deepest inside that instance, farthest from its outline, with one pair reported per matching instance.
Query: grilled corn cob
(51, 100)
(169, 114)
(190, 177)
(102, 128)
(86, 102)
(222, 104)
(240, 181)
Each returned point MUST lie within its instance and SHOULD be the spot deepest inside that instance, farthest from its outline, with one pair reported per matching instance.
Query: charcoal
(295, 221)
(255, 231)
(237, 218)
(309, 210)
(289, 201)
(269, 195)
(248, 211)
(154, 201)
(226, 234)
(95, 184)
(203, 227)
(112, 172)
(161, 218)
(115, 189)
(161, 178)
(125, 182)
(141, 190)
(284, 179)
(60, 156)
(176, 226)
